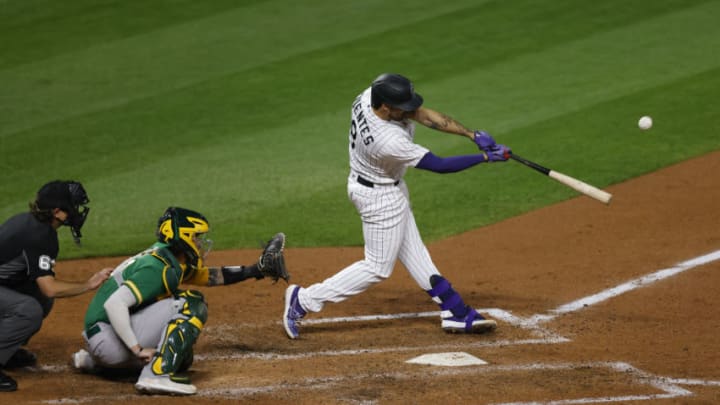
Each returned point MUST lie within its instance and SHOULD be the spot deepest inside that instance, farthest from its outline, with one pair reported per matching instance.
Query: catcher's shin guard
(176, 351)
(456, 316)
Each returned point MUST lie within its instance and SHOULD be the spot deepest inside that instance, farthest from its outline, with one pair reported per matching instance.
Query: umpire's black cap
(396, 91)
(66, 195)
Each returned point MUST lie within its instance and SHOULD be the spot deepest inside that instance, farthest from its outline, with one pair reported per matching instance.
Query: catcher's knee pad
(194, 306)
(176, 350)
(448, 299)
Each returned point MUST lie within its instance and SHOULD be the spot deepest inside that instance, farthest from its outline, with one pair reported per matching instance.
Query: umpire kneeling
(28, 249)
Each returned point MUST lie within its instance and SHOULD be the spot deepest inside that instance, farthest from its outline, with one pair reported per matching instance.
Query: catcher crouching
(141, 319)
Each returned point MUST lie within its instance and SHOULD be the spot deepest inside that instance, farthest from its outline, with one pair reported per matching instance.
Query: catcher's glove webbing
(272, 262)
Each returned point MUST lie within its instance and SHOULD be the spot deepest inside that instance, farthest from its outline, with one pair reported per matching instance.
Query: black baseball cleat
(7, 384)
(21, 358)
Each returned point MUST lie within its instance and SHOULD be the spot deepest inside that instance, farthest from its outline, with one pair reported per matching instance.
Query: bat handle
(541, 169)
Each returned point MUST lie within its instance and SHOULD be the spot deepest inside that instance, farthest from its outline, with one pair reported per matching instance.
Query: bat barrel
(571, 182)
(582, 187)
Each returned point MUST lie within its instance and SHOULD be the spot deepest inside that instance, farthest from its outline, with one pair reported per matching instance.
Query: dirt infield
(595, 303)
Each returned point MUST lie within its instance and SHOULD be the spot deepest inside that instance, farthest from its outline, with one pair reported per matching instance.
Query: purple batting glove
(499, 153)
(484, 141)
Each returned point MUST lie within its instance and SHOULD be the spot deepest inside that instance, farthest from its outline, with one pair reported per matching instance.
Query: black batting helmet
(396, 91)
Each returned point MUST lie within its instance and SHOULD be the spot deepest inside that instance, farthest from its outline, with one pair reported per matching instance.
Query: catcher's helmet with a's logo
(185, 230)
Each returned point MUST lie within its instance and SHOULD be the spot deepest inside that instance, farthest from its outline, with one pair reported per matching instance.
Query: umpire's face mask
(75, 220)
(78, 211)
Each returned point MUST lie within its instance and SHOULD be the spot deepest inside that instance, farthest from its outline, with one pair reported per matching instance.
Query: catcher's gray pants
(108, 350)
(21, 314)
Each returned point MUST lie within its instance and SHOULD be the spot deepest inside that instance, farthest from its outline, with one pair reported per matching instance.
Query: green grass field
(241, 111)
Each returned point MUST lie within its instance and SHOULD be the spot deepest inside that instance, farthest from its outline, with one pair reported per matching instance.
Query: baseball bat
(571, 182)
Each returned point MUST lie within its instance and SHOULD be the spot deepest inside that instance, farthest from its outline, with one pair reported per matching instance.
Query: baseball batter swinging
(381, 148)
(140, 318)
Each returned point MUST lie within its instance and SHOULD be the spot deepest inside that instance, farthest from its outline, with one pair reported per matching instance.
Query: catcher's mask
(187, 231)
(69, 196)
(396, 91)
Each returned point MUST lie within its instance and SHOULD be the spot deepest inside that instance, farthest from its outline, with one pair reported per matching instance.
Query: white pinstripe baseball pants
(390, 233)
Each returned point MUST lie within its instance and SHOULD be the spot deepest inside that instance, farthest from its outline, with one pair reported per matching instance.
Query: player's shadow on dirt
(131, 376)
(116, 375)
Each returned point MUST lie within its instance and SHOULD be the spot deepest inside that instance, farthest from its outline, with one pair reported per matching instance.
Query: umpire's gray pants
(108, 350)
(21, 314)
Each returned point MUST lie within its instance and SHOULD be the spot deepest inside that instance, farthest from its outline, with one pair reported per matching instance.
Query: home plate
(448, 359)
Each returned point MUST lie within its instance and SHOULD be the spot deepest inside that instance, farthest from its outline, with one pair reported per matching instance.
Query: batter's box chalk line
(539, 336)
(534, 322)
(579, 304)
(670, 387)
(667, 387)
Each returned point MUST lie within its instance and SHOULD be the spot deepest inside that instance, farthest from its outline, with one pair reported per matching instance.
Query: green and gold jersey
(151, 275)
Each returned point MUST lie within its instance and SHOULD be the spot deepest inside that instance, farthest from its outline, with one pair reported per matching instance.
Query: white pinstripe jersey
(381, 151)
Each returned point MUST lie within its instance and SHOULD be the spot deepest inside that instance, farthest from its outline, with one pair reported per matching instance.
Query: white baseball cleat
(82, 360)
(473, 322)
(162, 384)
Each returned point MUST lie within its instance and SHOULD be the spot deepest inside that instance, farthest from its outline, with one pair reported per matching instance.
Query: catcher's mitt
(272, 262)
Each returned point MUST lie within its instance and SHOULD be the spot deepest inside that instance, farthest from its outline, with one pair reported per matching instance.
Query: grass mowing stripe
(253, 173)
(42, 29)
(572, 75)
(114, 73)
(192, 122)
(137, 67)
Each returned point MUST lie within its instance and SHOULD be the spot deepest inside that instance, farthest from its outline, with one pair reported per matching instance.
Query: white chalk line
(97, 398)
(366, 318)
(496, 313)
(668, 385)
(275, 356)
(343, 380)
(544, 336)
(533, 322)
(622, 288)
(670, 388)
(692, 381)
(637, 283)
(382, 350)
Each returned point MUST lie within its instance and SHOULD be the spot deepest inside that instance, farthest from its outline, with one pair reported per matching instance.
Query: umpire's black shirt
(28, 249)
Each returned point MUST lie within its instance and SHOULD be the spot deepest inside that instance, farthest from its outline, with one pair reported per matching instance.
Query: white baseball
(645, 123)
